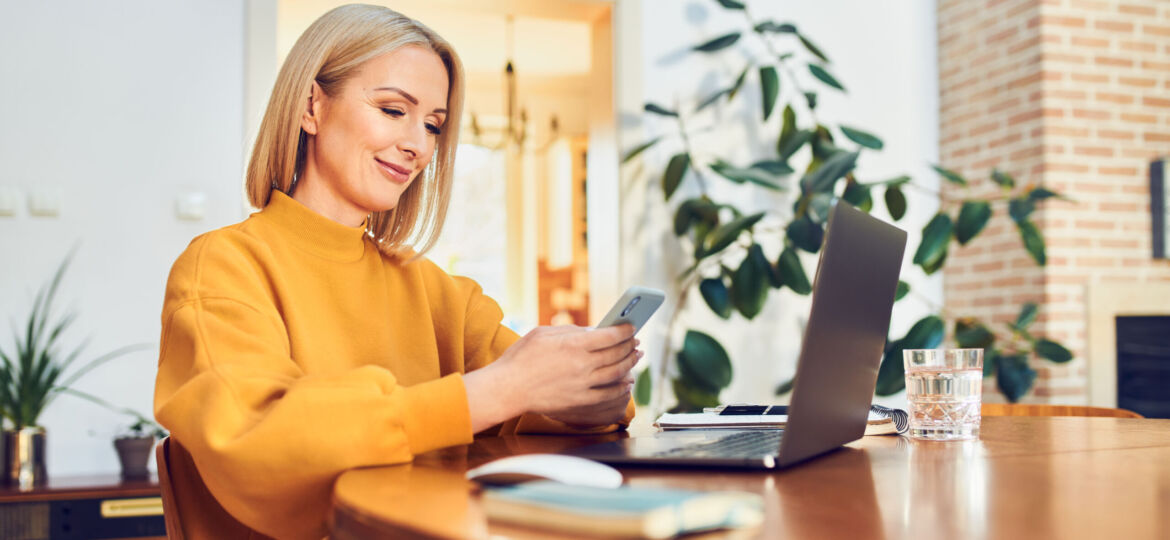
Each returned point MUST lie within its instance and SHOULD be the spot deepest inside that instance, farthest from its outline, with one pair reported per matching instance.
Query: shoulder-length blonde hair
(329, 52)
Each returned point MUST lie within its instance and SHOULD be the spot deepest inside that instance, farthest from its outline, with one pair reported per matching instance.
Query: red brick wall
(1073, 95)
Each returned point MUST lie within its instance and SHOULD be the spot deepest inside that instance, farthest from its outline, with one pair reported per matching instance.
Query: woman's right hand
(553, 369)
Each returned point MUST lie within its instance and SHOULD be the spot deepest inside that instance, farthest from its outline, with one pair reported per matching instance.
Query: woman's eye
(393, 112)
(435, 130)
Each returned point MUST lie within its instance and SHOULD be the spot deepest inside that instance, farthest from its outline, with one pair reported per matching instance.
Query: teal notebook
(625, 511)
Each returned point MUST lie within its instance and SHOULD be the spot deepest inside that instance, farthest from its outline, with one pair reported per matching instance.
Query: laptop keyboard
(742, 444)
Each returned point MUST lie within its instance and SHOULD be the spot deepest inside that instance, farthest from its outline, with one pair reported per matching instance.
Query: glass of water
(945, 391)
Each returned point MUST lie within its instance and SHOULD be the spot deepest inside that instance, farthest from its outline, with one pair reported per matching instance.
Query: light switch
(9, 200)
(44, 202)
(191, 206)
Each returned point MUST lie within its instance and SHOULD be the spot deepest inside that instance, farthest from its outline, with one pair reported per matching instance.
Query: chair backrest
(1018, 409)
(170, 508)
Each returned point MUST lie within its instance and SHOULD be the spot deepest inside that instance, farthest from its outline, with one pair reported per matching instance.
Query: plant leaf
(715, 293)
(792, 272)
(726, 233)
(660, 110)
(719, 43)
(642, 387)
(785, 387)
(788, 146)
(1019, 209)
(927, 333)
(858, 195)
(1003, 179)
(706, 359)
(712, 99)
(971, 334)
(816, 51)
(640, 148)
(775, 28)
(902, 290)
(770, 88)
(730, 4)
(692, 398)
(811, 99)
(935, 237)
(754, 175)
(1027, 316)
(895, 202)
(674, 173)
(891, 377)
(863, 138)
(1051, 350)
(1013, 376)
(805, 234)
(1039, 194)
(824, 76)
(749, 285)
(738, 82)
(951, 176)
(787, 127)
(973, 216)
(825, 177)
(773, 167)
(1033, 241)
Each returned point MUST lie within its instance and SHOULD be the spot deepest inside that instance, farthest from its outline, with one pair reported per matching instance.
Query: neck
(315, 194)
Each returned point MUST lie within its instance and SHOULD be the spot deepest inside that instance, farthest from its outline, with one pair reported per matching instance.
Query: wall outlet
(191, 206)
(9, 200)
(44, 202)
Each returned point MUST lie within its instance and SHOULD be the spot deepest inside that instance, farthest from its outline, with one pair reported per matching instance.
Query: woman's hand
(571, 373)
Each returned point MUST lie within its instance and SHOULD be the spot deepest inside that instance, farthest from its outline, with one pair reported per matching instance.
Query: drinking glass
(945, 390)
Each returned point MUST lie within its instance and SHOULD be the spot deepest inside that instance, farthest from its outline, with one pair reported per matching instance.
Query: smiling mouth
(396, 173)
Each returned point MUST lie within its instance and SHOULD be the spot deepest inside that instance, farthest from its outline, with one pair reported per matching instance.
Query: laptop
(853, 295)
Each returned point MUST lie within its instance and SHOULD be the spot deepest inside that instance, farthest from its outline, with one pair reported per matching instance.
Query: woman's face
(368, 142)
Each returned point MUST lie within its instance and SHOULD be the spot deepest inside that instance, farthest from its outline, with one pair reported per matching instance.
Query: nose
(413, 141)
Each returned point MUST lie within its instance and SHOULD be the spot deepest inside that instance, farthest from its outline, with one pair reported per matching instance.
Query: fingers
(616, 373)
(604, 338)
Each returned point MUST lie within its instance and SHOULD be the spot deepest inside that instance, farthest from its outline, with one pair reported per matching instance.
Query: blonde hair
(329, 52)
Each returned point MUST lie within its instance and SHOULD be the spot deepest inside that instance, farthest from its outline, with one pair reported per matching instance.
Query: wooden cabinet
(105, 506)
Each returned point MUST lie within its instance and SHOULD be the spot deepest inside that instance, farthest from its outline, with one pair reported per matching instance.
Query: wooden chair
(170, 508)
(1019, 409)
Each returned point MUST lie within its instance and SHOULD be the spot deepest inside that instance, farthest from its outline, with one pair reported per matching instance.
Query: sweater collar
(314, 232)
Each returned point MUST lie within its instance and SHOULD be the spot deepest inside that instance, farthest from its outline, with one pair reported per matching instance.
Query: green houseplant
(730, 265)
(32, 374)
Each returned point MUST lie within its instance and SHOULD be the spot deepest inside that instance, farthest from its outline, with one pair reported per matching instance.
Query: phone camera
(630, 306)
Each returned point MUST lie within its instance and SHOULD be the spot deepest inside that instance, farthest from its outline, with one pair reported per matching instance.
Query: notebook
(624, 511)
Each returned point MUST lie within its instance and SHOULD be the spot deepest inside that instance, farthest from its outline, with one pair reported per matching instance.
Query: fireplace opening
(1143, 365)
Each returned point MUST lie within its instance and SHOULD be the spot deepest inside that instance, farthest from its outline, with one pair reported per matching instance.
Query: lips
(396, 173)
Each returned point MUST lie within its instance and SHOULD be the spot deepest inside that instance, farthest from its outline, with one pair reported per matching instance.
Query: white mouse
(559, 468)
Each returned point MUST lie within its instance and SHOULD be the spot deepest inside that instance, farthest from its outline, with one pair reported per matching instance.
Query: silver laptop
(852, 297)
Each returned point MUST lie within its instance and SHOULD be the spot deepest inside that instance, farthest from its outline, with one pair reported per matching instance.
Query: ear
(311, 115)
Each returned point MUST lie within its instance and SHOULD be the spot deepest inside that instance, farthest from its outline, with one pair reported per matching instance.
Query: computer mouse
(556, 467)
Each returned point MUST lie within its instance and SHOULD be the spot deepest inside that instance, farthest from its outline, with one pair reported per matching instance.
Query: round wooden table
(1026, 477)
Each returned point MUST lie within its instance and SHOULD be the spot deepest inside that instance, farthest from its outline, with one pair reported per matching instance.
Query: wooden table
(1027, 477)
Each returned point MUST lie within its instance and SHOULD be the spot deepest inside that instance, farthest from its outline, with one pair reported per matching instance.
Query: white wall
(884, 53)
(119, 107)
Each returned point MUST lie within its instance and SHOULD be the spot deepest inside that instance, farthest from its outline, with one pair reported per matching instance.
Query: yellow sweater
(292, 350)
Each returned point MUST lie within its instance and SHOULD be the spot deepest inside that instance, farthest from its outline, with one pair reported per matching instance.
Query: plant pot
(24, 457)
(134, 452)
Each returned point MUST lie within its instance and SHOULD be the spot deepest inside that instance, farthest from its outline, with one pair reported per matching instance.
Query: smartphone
(635, 307)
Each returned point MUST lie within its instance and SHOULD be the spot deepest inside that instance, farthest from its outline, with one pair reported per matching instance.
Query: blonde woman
(312, 337)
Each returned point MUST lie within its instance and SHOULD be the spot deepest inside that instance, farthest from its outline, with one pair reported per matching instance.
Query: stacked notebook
(625, 511)
(882, 420)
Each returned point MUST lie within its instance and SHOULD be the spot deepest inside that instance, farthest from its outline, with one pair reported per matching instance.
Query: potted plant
(32, 374)
(135, 445)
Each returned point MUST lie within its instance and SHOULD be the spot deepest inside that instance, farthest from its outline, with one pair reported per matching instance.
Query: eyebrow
(406, 95)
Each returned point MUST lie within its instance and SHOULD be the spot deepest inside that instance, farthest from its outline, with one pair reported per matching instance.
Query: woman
(310, 339)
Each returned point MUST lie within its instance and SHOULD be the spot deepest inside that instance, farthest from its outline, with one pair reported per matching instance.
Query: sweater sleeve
(267, 438)
(486, 340)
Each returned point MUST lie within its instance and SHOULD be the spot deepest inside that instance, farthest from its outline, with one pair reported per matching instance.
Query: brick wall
(1073, 95)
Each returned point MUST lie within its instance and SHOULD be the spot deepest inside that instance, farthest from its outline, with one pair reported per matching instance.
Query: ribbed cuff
(437, 414)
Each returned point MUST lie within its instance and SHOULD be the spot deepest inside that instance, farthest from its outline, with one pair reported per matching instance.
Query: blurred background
(128, 123)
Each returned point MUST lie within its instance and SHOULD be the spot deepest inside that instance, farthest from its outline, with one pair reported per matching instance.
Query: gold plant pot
(24, 457)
